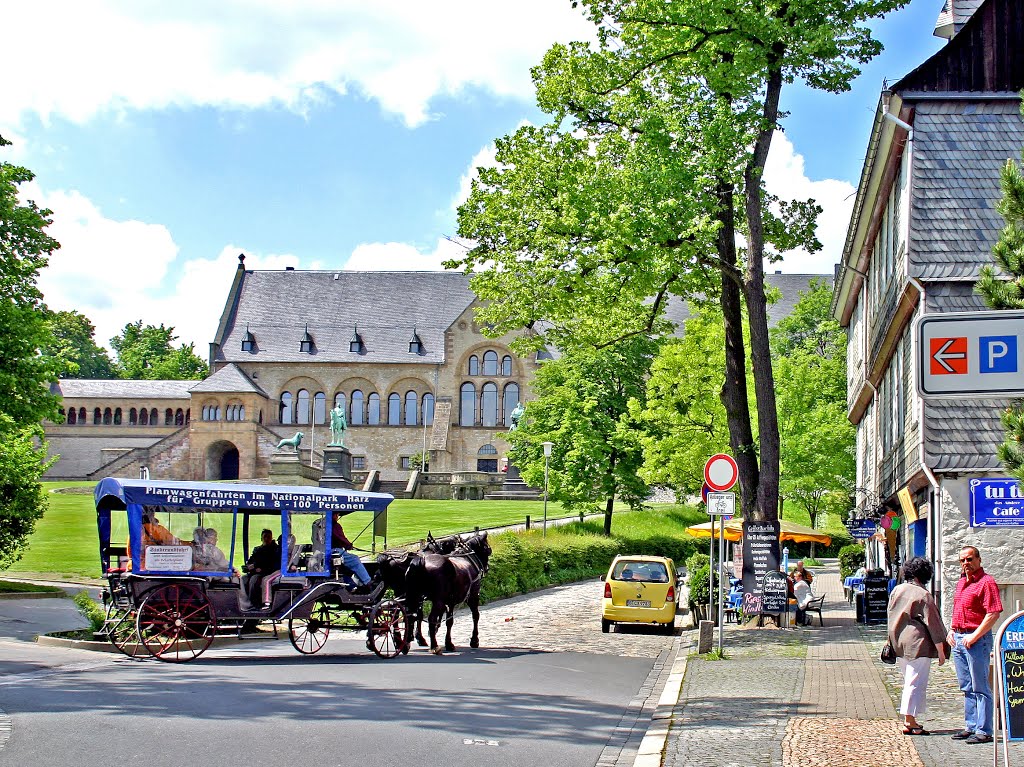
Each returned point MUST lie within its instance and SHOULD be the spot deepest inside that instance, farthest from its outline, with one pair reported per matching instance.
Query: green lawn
(65, 542)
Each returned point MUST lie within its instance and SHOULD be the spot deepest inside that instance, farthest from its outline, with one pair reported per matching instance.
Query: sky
(167, 138)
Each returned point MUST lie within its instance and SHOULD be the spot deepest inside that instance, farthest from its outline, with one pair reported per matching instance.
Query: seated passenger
(271, 578)
(210, 557)
(153, 534)
(265, 559)
(341, 543)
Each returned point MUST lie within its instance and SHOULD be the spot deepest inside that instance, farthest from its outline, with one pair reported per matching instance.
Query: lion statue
(293, 442)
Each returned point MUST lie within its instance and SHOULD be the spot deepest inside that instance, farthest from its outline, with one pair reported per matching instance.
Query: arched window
(97, 416)
(188, 416)
(373, 409)
(81, 415)
(490, 363)
(230, 413)
(117, 417)
(287, 414)
(108, 417)
(319, 408)
(428, 409)
(241, 413)
(358, 418)
(302, 406)
(411, 406)
(474, 365)
(168, 417)
(467, 405)
(506, 365)
(216, 411)
(144, 417)
(340, 400)
(394, 410)
(133, 416)
(486, 459)
(206, 413)
(154, 416)
(509, 400)
(72, 417)
(489, 405)
(179, 417)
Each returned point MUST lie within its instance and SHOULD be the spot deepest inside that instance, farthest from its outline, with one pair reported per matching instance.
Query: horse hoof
(436, 651)
(421, 642)
(450, 648)
(474, 643)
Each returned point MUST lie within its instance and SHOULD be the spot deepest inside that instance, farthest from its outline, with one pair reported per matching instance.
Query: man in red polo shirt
(976, 608)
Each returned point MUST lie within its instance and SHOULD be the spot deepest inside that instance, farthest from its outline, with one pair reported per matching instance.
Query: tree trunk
(767, 500)
(734, 390)
(610, 503)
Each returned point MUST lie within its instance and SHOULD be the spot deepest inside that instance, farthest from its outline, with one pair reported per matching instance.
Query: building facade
(924, 223)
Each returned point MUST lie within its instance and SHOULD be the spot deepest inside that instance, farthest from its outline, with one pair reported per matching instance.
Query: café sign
(996, 503)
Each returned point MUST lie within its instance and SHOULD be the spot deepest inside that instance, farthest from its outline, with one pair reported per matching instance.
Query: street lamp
(547, 458)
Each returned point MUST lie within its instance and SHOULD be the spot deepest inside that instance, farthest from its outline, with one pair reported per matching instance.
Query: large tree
(75, 349)
(648, 171)
(1002, 286)
(582, 407)
(25, 374)
(148, 351)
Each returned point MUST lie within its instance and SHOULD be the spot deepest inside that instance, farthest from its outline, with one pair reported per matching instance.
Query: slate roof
(278, 306)
(789, 285)
(963, 436)
(959, 149)
(228, 380)
(121, 389)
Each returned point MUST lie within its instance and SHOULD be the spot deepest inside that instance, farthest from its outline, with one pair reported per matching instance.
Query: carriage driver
(340, 542)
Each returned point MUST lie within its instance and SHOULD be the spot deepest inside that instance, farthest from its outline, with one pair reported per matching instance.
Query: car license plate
(638, 603)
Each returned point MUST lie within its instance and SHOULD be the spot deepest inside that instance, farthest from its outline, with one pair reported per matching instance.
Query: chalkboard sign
(876, 599)
(760, 556)
(1011, 655)
(774, 593)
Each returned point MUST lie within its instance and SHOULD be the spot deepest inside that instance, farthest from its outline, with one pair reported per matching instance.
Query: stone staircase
(514, 489)
(394, 487)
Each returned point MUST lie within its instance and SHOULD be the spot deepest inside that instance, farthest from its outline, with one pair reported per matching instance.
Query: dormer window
(306, 344)
(415, 344)
(248, 341)
(356, 344)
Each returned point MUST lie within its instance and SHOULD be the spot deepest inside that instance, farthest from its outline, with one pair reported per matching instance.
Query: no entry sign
(721, 472)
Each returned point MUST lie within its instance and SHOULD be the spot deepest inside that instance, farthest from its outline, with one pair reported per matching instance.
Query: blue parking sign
(998, 354)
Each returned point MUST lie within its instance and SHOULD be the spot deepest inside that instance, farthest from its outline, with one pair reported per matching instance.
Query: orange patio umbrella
(788, 531)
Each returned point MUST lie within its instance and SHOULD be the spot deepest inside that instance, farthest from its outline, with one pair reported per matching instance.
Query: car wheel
(606, 625)
(669, 628)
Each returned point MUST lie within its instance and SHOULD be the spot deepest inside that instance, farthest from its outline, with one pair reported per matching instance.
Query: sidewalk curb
(653, 745)
(35, 595)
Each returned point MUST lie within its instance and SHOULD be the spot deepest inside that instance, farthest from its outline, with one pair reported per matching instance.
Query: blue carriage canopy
(113, 493)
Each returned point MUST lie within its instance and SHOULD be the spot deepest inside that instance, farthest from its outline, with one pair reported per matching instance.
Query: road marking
(478, 742)
(6, 727)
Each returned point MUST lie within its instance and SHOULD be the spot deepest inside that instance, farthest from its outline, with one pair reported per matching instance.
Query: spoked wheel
(176, 623)
(386, 635)
(120, 628)
(309, 635)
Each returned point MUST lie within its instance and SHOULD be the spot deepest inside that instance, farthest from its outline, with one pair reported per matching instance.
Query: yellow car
(640, 589)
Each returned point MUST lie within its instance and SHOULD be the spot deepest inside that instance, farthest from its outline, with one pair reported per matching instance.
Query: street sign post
(721, 472)
(721, 504)
(977, 355)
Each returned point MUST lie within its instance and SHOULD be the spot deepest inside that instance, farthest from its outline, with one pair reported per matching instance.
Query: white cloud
(402, 257)
(116, 272)
(785, 177)
(485, 158)
(81, 58)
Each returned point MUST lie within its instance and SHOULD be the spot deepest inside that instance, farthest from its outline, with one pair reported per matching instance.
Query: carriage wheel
(309, 635)
(176, 623)
(120, 628)
(386, 635)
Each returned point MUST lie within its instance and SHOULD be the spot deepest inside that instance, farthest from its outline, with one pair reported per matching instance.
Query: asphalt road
(522, 699)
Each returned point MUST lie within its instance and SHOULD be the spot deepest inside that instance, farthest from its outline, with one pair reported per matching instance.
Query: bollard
(527, 521)
(581, 516)
(705, 637)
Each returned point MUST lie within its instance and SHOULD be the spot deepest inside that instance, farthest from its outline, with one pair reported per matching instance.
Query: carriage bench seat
(217, 584)
(290, 584)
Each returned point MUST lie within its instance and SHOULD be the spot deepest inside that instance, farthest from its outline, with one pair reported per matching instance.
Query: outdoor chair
(814, 606)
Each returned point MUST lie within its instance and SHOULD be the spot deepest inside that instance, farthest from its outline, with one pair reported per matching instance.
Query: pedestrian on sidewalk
(917, 634)
(976, 608)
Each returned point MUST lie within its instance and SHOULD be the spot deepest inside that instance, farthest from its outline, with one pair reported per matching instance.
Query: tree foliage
(75, 349)
(147, 351)
(582, 406)
(648, 169)
(25, 398)
(1002, 287)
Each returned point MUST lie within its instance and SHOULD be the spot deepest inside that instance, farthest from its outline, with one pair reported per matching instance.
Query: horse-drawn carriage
(176, 582)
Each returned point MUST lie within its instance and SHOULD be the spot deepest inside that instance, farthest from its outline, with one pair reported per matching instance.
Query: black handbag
(888, 653)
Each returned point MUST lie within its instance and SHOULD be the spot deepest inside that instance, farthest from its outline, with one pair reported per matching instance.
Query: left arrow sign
(948, 356)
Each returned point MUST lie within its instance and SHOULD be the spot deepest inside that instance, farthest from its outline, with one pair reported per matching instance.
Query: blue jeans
(971, 664)
(353, 563)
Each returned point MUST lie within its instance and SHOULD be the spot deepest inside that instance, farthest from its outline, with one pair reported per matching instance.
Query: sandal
(915, 731)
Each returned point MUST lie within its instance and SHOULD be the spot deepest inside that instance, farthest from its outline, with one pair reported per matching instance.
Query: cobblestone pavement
(810, 697)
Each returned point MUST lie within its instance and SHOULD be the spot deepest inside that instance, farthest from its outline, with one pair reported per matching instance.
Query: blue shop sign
(864, 530)
(996, 503)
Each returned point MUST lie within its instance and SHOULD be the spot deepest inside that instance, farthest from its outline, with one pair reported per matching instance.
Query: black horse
(448, 580)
